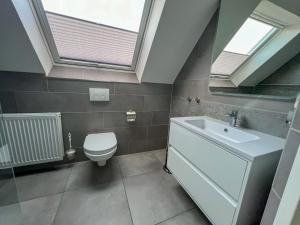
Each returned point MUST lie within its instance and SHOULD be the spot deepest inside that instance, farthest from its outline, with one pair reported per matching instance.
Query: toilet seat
(100, 143)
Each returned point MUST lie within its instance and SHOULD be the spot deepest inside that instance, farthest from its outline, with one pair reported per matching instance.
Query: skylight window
(104, 33)
(250, 37)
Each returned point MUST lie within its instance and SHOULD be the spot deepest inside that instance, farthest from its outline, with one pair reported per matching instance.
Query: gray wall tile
(28, 93)
(22, 81)
(120, 103)
(60, 85)
(129, 132)
(8, 103)
(143, 89)
(122, 146)
(29, 102)
(271, 209)
(160, 131)
(157, 103)
(137, 145)
(160, 117)
(118, 119)
(78, 138)
(85, 122)
(73, 102)
(156, 143)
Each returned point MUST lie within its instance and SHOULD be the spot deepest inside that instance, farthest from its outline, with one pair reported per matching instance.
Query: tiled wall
(264, 115)
(29, 93)
(283, 170)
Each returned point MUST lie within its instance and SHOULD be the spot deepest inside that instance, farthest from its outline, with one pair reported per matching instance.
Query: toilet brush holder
(70, 153)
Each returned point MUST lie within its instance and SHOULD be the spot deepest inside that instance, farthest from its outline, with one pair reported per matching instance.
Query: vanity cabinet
(229, 188)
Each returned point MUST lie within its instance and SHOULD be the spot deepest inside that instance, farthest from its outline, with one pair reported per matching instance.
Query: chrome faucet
(233, 118)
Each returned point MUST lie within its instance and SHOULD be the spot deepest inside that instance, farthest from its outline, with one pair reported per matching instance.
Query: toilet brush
(70, 153)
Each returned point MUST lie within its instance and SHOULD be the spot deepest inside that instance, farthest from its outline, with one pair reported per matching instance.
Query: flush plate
(99, 94)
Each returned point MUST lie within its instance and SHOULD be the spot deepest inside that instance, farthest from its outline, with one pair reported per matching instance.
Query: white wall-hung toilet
(100, 147)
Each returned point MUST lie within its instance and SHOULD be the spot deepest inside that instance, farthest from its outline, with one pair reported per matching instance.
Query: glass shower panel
(10, 211)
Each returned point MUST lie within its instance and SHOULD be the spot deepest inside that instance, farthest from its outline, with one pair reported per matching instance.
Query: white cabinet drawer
(224, 168)
(213, 202)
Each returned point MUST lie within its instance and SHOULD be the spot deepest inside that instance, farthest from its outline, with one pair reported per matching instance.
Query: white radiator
(30, 138)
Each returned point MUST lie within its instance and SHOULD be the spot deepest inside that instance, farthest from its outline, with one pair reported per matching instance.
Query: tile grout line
(178, 214)
(59, 205)
(62, 194)
(57, 209)
(123, 184)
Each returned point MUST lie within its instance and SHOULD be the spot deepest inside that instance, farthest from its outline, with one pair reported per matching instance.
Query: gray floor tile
(88, 174)
(39, 211)
(161, 155)
(105, 204)
(8, 186)
(139, 163)
(192, 217)
(43, 183)
(155, 197)
(10, 214)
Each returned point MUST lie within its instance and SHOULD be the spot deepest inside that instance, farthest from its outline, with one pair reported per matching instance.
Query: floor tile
(105, 204)
(88, 174)
(43, 183)
(39, 211)
(10, 214)
(155, 197)
(161, 155)
(8, 186)
(191, 217)
(139, 163)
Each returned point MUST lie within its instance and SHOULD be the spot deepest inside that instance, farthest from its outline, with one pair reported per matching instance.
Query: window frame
(277, 27)
(46, 30)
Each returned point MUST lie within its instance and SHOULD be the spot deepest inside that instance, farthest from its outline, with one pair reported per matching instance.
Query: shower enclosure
(10, 210)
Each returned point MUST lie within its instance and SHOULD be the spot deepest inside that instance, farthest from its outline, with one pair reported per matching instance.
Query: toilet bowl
(100, 147)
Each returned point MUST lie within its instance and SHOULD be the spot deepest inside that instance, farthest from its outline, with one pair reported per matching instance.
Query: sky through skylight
(248, 37)
(125, 14)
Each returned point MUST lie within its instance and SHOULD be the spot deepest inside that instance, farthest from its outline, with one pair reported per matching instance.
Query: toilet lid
(100, 142)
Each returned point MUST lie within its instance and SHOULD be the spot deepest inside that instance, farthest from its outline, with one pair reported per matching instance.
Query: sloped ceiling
(231, 18)
(17, 52)
(180, 26)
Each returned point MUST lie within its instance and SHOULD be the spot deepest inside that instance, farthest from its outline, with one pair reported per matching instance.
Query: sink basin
(244, 142)
(219, 129)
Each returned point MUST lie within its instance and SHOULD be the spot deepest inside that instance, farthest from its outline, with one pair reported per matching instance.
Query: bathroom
(169, 114)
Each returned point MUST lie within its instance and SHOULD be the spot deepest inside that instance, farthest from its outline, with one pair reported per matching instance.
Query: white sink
(219, 129)
(245, 142)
